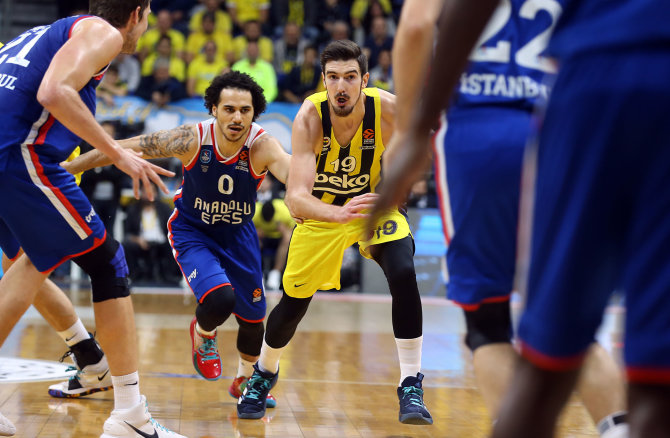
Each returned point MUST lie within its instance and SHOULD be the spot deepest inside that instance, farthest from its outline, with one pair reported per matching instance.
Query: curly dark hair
(241, 81)
(116, 12)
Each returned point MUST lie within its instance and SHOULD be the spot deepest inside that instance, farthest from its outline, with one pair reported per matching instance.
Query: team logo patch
(326, 145)
(258, 294)
(368, 137)
(205, 156)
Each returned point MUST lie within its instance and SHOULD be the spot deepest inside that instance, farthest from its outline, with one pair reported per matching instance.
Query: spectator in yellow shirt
(203, 69)
(260, 70)
(164, 51)
(149, 39)
(242, 11)
(252, 32)
(223, 23)
(196, 40)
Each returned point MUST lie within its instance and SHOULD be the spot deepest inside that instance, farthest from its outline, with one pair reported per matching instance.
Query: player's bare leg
(494, 367)
(602, 391)
(527, 411)
(18, 288)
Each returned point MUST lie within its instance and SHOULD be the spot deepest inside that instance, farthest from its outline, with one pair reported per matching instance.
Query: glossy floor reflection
(338, 376)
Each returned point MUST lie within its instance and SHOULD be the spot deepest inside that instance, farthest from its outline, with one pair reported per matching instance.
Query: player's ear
(135, 18)
(323, 79)
(364, 82)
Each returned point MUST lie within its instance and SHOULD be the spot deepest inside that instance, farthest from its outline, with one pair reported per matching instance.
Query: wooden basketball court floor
(338, 376)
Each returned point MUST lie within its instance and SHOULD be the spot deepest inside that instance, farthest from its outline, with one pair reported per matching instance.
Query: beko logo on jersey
(341, 184)
(491, 84)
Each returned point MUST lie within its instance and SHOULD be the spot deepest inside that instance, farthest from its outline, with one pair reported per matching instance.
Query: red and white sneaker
(206, 359)
(237, 388)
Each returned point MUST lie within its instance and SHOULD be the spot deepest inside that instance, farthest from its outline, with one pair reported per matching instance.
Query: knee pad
(250, 337)
(106, 265)
(491, 323)
(215, 308)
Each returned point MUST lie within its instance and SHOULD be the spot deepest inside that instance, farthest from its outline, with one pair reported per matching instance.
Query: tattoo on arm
(175, 142)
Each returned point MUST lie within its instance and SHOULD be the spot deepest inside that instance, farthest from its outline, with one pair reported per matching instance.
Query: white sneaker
(6, 427)
(274, 280)
(91, 379)
(135, 422)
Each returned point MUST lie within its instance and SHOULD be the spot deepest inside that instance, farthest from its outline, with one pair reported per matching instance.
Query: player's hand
(139, 169)
(406, 164)
(357, 208)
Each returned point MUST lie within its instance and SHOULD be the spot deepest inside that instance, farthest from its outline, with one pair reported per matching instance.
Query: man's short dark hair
(116, 12)
(240, 81)
(344, 50)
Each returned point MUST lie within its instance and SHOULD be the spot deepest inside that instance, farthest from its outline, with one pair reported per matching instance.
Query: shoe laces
(255, 385)
(157, 425)
(208, 349)
(413, 394)
(71, 368)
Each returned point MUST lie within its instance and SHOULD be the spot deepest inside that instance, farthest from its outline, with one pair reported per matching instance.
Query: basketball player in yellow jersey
(338, 139)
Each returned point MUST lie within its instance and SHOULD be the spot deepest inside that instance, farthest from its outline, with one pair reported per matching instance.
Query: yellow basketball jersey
(343, 172)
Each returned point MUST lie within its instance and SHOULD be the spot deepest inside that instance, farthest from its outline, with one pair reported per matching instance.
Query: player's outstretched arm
(306, 140)
(180, 142)
(94, 43)
(268, 153)
(412, 50)
(461, 23)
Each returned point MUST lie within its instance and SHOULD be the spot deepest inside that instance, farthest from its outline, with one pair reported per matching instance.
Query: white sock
(269, 360)
(126, 390)
(74, 334)
(203, 331)
(613, 426)
(244, 368)
(409, 356)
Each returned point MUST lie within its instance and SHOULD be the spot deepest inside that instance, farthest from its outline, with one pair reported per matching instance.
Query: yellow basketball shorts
(316, 250)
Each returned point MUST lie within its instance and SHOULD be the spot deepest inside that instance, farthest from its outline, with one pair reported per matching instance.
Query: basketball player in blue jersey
(57, 309)
(47, 99)
(338, 139)
(478, 159)
(211, 231)
(599, 206)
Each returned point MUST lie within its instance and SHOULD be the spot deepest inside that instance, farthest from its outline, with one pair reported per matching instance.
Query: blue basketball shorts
(43, 211)
(601, 215)
(221, 256)
(478, 156)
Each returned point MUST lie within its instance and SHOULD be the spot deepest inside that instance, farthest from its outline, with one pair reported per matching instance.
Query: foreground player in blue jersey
(599, 209)
(478, 157)
(47, 99)
(211, 231)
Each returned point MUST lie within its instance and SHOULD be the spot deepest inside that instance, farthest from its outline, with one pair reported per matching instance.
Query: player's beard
(345, 111)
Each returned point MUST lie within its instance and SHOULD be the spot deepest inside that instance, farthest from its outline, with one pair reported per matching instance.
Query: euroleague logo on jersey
(258, 294)
(243, 161)
(368, 137)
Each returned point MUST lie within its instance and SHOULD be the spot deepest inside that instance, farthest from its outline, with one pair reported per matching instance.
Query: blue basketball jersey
(592, 25)
(219, 193)
(509, 62)
(23, 63)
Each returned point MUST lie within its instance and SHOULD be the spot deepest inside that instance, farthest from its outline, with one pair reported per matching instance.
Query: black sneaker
(254, 398)
(92, 371)
(410, 395)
